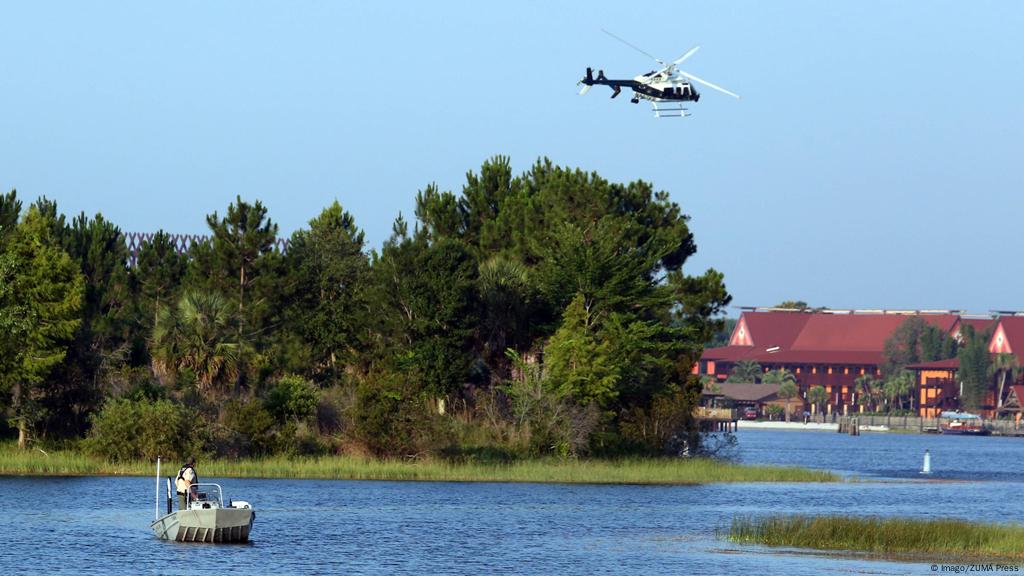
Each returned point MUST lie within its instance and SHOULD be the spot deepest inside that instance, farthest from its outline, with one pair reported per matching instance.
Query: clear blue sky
(875, 159)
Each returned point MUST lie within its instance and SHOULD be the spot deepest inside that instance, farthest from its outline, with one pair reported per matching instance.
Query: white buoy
(927, 469)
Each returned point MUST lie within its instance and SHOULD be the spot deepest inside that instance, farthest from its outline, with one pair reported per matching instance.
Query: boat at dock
(205, 517)
(962, 424)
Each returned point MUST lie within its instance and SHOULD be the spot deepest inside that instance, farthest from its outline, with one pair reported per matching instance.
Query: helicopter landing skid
(669, 110)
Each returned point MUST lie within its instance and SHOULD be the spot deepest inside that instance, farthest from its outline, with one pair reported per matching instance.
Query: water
(101, 525)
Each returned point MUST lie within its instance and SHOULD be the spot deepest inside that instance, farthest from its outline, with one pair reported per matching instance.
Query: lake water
(101, 525)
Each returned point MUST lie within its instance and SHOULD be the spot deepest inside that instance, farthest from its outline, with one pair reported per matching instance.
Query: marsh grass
(938, 538)
(624, 471)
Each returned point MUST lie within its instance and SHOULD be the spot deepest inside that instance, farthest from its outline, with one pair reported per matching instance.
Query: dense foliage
(544, 313)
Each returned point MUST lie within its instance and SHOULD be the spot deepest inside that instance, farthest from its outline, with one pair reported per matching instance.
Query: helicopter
(666, 88)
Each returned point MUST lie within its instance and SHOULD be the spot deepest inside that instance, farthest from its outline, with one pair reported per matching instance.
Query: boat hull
(965, 432)
(213, 525)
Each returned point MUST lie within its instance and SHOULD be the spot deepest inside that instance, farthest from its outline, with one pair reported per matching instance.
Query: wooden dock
(716, 419)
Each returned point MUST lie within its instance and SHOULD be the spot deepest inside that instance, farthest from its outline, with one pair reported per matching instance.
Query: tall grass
(624, 471)
(948, 538)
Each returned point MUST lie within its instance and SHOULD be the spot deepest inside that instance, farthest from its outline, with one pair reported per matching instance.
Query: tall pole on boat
(156, 508)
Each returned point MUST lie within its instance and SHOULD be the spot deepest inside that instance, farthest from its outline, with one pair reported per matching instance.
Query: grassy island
(938, 538)
(584, 471)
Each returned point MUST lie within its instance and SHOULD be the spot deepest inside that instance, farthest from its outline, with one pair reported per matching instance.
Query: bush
(293, 397)
(547, 420)
(336, 403)
(249, 430)
(129, 429)
(661, 428)
(392, 418)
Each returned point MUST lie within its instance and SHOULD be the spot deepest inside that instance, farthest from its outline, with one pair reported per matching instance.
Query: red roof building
(830, 349)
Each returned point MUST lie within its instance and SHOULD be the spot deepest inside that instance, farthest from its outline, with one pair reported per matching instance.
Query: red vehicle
(750, 413)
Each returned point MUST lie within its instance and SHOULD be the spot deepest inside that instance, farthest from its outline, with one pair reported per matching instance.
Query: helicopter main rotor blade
(687, 55)
(708, 84)
(645, 53)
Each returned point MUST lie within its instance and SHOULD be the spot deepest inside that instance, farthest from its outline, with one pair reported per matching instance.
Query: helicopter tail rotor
(588, 80)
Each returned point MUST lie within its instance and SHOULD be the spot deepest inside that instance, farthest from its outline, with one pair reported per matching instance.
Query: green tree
(159, 272)
(241, 262)
(509, 301)
(914, 341)
(328, 281)
(1004, 365)
(127, 429)
(293, 398)
(975, 362)
(429, 308)
(198, 335)
(721, 337)
(897, 387)
(787, 391)
(578, 363)
(10, 210)
(817, 397)
(778, 376)
(745, 371)
(45, 297)
(865, 388)
(108, 335)
(622, 246)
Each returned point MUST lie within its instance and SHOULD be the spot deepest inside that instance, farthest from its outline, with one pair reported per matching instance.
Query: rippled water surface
(101, 525)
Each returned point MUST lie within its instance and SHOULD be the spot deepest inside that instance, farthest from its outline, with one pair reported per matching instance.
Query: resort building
(833, 348)
(939, 388)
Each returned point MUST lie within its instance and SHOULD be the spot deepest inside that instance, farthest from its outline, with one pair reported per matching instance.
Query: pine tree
(578, 364)
(159, 273)
(328, 281)
(241, 263)
(49, 289)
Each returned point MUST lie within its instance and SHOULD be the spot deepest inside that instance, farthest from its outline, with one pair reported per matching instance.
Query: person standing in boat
(186, 482)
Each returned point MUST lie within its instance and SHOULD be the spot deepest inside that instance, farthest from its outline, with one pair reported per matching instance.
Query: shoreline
(635, 471)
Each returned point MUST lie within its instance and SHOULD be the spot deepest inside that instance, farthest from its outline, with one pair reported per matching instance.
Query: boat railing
(206, 496)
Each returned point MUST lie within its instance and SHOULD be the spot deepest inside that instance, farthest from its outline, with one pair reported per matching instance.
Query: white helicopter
(666, 88)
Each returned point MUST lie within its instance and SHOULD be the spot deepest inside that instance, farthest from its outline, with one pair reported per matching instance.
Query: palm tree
(198, 334)
(864, 385)
(898, 386)
(778, 376)
(817, 396)
(787, 391)
(745, 371)
(1004, 364)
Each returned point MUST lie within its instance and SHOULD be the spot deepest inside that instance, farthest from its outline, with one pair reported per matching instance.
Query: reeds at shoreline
(593, 471)
(936, 538)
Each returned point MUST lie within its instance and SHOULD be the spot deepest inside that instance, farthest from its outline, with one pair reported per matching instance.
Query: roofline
(879, 311)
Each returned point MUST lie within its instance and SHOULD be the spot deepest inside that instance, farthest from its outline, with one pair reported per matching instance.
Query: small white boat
(205, 517)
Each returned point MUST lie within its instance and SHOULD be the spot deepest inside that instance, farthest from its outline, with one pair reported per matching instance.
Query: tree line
(540, 313)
